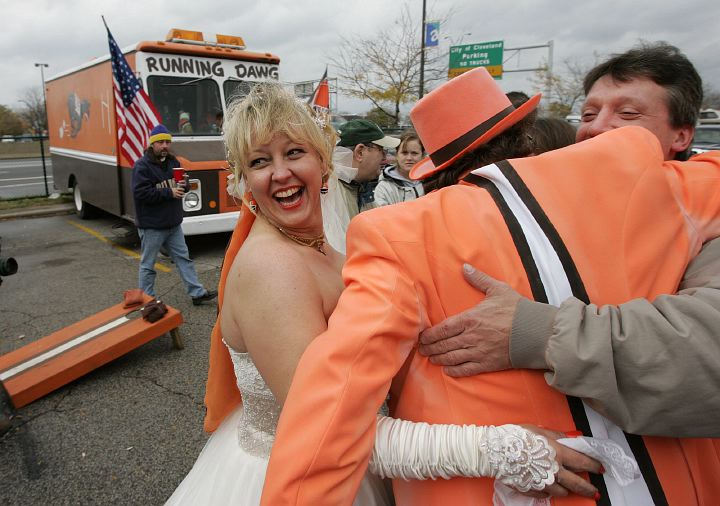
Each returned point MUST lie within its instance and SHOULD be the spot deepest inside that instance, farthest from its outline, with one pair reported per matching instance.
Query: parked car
(707, 138)
(8, 138)
(709, 117)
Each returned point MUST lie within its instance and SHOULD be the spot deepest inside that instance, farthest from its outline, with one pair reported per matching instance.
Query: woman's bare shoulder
(267, 280)
(265, 259)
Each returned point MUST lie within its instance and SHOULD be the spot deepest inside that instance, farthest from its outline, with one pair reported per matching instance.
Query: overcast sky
(303, 33)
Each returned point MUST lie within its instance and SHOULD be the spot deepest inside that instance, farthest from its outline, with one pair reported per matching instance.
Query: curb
(37, 212)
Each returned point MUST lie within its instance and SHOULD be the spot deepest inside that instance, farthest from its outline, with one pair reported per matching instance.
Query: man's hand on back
(477, 340)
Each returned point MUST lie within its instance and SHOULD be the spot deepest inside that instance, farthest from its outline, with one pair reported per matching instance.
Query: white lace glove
(511, 454)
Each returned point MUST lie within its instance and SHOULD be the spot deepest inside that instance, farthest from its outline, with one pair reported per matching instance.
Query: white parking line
(24, 164)
(19, 185)
(24, 178)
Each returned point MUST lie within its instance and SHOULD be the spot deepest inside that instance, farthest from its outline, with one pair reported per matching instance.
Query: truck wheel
(84, 210)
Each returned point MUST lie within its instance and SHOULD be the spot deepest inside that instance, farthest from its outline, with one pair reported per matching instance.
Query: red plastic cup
(178, 174)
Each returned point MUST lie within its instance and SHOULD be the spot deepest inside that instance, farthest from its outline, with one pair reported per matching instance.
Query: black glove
(154, 310)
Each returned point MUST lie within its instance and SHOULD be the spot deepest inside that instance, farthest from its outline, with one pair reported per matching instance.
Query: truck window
(708, 135)
(236, 89)
(188, 106)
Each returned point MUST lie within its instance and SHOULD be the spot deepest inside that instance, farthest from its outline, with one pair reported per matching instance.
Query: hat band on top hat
(448, 151)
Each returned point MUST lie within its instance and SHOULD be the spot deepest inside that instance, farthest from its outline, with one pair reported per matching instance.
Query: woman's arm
(525, 458)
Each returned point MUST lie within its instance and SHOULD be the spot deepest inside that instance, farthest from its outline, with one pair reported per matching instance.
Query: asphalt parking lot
(128, 432)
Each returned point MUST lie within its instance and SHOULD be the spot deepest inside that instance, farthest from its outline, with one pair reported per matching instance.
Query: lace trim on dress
(260, 411)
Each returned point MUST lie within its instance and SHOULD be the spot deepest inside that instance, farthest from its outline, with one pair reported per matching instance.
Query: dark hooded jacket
(152, 180)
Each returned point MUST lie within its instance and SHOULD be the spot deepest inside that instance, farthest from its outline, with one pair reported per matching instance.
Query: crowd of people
(524, 313)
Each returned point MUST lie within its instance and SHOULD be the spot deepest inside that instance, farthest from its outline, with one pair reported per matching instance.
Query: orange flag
(320, 99)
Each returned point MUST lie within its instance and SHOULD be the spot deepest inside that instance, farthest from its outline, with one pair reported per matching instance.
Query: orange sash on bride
(221, 392)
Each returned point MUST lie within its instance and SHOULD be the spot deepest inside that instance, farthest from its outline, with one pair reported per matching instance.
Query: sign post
(482, 54)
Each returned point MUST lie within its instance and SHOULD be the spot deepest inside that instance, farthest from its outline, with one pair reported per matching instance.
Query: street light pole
(422, 55)
(43, 66)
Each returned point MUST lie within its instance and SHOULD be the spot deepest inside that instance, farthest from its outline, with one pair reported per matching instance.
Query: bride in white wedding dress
(279, 284)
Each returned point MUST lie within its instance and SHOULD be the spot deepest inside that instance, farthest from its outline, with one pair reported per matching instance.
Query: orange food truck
(190, 81)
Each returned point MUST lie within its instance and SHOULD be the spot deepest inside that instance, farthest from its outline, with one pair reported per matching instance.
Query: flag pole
(118, 167)
(422, 55)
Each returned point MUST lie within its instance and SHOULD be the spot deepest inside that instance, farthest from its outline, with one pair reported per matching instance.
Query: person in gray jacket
(395, 184)
(650, 366)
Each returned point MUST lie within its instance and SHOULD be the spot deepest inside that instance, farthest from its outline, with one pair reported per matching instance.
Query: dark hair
(517, 98)
(154, 158)
(551, 133)
(410, 136)
(666, 66)
(512, 143)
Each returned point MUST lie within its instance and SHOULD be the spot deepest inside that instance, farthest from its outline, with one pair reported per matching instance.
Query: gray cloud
(304, 33)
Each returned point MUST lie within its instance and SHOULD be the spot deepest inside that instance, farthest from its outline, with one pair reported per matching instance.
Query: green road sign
(482, 54)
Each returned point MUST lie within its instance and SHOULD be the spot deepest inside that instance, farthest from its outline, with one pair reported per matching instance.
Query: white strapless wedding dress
(231, 467)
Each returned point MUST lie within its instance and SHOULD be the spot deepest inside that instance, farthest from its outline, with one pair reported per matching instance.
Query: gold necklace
(312, 242)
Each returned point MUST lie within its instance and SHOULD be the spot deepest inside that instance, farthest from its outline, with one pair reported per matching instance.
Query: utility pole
(421, 91)
(42, 146)
(550, 72)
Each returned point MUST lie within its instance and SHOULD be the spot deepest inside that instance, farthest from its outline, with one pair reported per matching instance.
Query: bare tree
(565, 87)
(711, 97)
(33, 111)
(385, 67)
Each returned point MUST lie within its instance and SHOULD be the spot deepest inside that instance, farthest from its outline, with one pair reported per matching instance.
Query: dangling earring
(324, 187)
(251, 202)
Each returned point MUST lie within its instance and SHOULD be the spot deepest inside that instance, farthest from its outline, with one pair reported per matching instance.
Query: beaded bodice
(256, 429)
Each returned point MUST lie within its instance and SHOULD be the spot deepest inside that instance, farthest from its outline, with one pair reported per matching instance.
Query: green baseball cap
(363, 131)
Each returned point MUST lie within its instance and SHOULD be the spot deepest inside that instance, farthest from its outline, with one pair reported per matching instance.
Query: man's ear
(683, 138)
(358, 152)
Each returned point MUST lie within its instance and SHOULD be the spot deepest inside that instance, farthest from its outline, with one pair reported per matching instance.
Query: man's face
(640, 101)
(160, 148)
(368, 158)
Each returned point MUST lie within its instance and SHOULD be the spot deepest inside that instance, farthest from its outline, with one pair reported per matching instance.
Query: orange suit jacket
(624, 219)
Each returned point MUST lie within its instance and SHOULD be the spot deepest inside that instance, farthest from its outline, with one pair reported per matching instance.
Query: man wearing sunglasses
(368, 144)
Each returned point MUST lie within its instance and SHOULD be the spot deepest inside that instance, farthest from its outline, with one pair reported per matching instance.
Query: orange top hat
(459, 116)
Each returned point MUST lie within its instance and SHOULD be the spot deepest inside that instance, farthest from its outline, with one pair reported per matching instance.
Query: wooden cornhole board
(47, 364)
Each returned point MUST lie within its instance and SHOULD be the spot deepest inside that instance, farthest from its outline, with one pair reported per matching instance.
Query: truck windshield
(235, 89)
(187, 106)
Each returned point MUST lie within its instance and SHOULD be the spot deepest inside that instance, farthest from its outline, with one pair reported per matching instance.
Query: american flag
(135, 113)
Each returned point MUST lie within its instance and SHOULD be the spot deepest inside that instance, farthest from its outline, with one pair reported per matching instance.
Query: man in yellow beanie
(159, 214)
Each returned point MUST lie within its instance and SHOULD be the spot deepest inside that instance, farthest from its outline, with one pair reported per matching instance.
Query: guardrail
(19, 146)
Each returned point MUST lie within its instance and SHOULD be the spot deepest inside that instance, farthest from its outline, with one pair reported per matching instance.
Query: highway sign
(482, 54)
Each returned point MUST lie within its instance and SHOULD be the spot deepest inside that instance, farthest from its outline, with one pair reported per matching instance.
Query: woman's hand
(571, 462)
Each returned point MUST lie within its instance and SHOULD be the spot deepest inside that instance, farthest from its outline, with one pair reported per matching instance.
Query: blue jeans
(151, 239)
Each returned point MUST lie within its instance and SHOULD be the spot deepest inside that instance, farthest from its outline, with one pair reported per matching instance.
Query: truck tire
(84, 210)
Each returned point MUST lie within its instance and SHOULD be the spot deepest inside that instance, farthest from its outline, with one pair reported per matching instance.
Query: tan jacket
(658, 372)
(349, 191)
